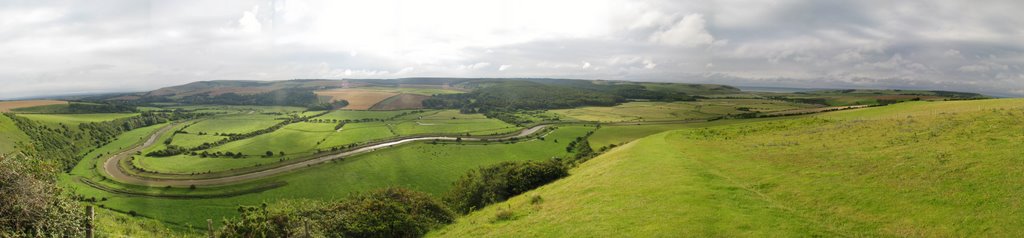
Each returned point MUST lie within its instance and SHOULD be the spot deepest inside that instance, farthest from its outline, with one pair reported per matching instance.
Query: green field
(356, 133)
(922, 169)
(449, 122)
(357, 115)
(234, 123)
(193, 140)
(674, 111)
(420, 166)
(10, 135)
(74, 119)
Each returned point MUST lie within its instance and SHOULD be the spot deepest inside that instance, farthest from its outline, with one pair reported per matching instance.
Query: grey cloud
(137, 45)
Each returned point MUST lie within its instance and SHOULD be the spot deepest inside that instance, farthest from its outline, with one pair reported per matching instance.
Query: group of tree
(391, 212)
(501, 98)
(500, 182)
(64, 144)
(32, 204)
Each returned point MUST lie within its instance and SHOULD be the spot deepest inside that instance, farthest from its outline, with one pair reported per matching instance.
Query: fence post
(89, 215)
(209, 227)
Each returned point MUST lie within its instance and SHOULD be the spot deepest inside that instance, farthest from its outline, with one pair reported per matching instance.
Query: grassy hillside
(10, 135)
(915, 169)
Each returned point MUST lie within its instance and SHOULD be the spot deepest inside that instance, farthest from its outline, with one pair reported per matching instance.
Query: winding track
(112, 168)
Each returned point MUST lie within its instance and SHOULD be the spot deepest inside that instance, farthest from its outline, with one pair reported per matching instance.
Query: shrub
(499, 182)
(392, 212)
(32, 205)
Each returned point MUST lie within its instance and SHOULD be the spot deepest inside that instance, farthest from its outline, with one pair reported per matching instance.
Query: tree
(270, 153)
(391, 212)
(32, 205)
(282, 153)
(497, 183)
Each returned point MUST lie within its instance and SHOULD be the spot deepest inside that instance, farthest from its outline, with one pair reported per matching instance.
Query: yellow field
(6, 106)
(358, 99)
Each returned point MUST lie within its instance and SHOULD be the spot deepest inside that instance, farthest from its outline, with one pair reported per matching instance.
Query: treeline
(281, 97)
(65, 144)
(298, 97)
(500, 99)
(79, 108)
(500, 182)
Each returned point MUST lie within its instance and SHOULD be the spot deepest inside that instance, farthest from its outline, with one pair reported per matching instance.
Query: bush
(499, 182)
(32, 205)
(392, 212)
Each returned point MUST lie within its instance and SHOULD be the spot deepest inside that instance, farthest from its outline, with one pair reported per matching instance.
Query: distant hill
(299, 92)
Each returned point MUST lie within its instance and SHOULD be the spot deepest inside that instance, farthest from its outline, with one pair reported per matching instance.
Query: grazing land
(421, 166)
(6, 106)
(678, 111)
(791, 178)
(74, 119)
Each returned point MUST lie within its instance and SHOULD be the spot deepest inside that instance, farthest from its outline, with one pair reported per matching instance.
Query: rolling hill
(931, 169)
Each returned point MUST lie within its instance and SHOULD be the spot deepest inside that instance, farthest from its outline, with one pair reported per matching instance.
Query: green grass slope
(10, 135)
(935, 169)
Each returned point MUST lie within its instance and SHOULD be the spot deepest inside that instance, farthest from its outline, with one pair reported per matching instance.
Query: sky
(70, 47)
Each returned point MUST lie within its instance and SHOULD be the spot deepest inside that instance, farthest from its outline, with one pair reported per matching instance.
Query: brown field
(6, 106)
(357, 99)
(401, 101)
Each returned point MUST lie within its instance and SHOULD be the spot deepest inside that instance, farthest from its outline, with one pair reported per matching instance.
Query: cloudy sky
(59, 47)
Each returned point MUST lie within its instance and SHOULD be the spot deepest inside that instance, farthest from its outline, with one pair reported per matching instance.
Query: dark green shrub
(499, 182)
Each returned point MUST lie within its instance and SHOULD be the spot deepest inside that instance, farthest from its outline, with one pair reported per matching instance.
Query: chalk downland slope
(933, 169)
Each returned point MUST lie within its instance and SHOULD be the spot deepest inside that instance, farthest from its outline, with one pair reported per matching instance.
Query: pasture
(420, 166)
(358, 115)
(450, 122)
(75, 119)
(953, 165)
(676, 111)
(10, 135)
(234, 124)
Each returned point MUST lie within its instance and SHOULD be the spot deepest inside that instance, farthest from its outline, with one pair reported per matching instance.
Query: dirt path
(111, 165)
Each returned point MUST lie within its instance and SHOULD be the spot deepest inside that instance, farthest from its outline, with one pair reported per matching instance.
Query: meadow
(421, 166)
(75, 119)
(677, 111)
(922, 169)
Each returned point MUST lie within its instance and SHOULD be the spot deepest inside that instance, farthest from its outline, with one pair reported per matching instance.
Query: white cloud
(585, 65)
(248, 23)
(649, 64)
(476, 66)
(504, 67)
(688, 32)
